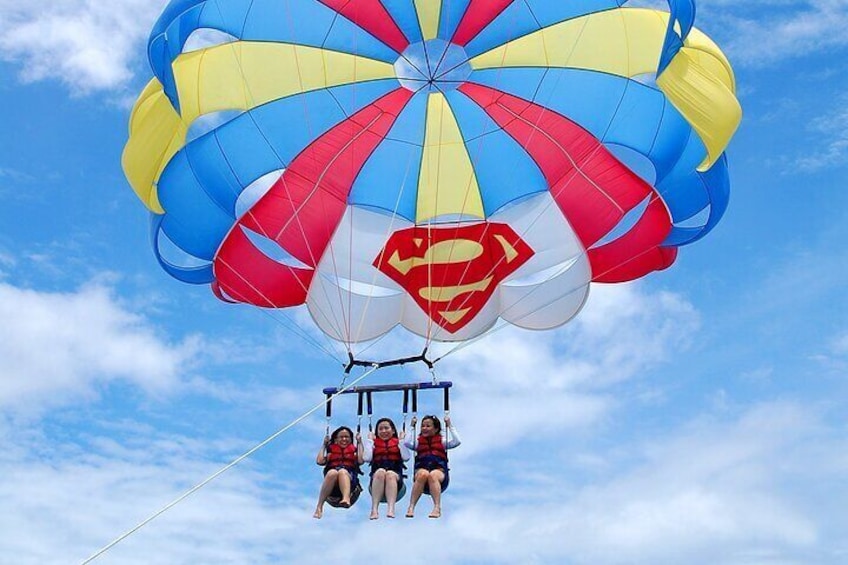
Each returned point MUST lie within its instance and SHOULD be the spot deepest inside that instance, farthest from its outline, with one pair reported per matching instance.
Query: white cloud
(743, 489)
(840, 345)
(758, 486)
(12, 174)
(89, 45)
(831, 131)
(519, 382)
(764, 32)
(834, 357)
(7, 261)
(728, 491)
(58, 347)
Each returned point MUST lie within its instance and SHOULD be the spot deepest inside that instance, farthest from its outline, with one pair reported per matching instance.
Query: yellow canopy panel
(627, 42)
(233, 76)
(447, 184)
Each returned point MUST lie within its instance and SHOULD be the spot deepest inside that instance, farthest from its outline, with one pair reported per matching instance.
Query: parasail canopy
(435, 164)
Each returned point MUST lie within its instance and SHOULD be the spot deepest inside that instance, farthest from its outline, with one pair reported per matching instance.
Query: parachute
(439, 165)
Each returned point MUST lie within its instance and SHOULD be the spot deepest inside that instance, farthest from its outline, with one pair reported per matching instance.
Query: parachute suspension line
(293, 327)
(479, 150)
(331, 316)
(345, 323)
(503, 324)
(236, 56)
(229, 466)
(564, 151)
(579, 170)
(389, 231)
(351, 338)
(309, 128)
(428, 337)
(249, 95)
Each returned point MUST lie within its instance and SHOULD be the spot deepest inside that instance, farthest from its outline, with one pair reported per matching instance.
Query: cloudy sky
(696, 416)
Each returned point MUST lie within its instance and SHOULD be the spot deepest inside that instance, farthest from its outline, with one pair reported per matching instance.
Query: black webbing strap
(352, 362)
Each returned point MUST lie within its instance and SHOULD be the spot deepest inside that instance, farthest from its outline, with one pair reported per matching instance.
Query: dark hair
(339, 429)
(436, 423)
(392, 424)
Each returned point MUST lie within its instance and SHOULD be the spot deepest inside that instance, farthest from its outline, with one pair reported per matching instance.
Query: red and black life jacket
(338, 456)
(431, 447)
(386, 450)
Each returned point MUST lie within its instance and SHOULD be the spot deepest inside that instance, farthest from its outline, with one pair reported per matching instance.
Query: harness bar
(389, 387)
(353, 362)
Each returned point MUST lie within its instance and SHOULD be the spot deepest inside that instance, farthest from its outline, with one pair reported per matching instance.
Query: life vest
(338, 456)
(430, 449)
(386, 450)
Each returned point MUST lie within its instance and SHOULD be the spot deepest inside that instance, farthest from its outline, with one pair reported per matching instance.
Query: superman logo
(452, 272)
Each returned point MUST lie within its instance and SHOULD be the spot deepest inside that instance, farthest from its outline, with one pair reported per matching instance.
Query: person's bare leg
(392, 480)
(378, 485)
(435, 482)
(344, 487)
(326, 488)
(417, 489)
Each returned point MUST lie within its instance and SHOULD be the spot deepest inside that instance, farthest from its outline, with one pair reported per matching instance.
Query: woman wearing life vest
(386, 453)
(341, 460)
(431, 461)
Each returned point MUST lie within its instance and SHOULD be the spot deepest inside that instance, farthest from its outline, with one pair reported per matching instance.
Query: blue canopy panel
(199, 187)
(193, 220)
(681, 190)
(404, 14)
(688, 193)
(451, 15)
(200, 273)
(257, 20)
(395, 165)
(715, 184)
(681, 17)
(526, 16)
(505, 172)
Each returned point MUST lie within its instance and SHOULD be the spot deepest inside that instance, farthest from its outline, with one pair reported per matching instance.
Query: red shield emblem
(452, 272)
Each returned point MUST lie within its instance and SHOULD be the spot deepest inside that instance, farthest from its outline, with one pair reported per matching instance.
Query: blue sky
(695, 416)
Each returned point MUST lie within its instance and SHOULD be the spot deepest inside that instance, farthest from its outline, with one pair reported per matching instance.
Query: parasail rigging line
(577, 167)
(250, 96)
(226, 468)
(503, 323)
(295, 217)
(294, 327)
(479, 146)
